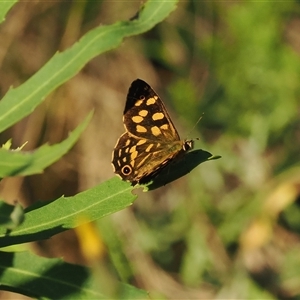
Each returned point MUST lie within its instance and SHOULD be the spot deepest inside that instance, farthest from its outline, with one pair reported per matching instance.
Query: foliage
(44, 220)
(227, 230)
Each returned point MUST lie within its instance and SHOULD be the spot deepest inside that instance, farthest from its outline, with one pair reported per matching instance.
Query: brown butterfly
(150, 141)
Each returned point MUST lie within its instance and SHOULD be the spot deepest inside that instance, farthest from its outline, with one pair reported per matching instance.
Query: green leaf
(8, 145)
(21, 163)
(130, 292)
(44, 220)
(180, 167)
(11, 216)
(21, 101)
(5, 6)
(38, 277)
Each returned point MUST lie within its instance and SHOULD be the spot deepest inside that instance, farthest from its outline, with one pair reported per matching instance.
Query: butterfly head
(188, 145)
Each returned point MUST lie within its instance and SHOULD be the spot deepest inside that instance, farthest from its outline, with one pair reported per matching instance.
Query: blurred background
(230, 228)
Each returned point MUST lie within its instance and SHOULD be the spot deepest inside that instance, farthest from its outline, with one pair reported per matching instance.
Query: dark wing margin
(142, 92)
(137, 89)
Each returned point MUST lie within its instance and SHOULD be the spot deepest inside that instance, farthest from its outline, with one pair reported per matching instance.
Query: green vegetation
(229, 229)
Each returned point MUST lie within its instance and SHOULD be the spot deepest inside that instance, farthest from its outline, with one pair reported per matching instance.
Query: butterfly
(150, 141)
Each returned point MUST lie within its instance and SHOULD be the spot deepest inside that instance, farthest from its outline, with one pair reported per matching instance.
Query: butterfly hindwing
(133, 157)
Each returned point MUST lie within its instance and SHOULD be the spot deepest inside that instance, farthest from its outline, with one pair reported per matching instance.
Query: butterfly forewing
(150, 141)
(145, 114)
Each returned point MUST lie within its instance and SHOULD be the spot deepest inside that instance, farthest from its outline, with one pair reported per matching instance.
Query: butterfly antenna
(195, 126)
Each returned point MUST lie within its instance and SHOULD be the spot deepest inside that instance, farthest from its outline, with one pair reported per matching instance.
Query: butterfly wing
(136, 160)
(145, 115)
(150, 141)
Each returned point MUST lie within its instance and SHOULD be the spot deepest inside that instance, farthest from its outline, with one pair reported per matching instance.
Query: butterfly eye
(188, 145)
(126, 170)
(142, 97)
